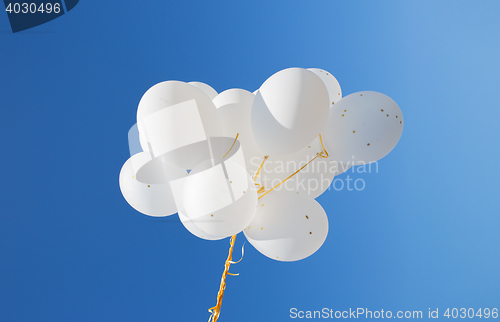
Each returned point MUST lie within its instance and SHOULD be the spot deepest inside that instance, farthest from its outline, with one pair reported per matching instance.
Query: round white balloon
(218, 195)
(331, 83)
(205, 88)
(363, 127)
(193, 229)
(289, 111)
(143, 142)
(234, 107)
(144, 183)
(134, 144)
(235, 201)
(176, 118)
(233, 96)
(287, 226)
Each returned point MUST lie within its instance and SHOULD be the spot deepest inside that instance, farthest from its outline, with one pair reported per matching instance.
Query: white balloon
(142, 141)
(331, 83)
(363, 127)
(313, 179)
(218, 196)
(289, 111)
(233, 96)
(193, 229)
(229, 220)
(134, 144)
(205, 88)
(287, 226)
(177, 118)
(144, 183)
(234, 107)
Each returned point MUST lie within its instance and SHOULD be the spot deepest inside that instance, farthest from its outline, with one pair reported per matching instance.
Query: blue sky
(423, 234)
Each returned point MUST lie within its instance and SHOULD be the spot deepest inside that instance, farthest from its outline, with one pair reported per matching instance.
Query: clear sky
(424, 233)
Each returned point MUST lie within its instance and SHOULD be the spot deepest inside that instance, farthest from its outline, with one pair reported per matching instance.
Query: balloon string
(256, 175)
(324, 150)
(322, 154)
(236, 138)
(242, 254)
(261, 188)
(268, 191)
(215, 311)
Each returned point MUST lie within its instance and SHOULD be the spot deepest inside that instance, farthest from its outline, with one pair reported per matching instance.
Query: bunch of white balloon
(239, 161)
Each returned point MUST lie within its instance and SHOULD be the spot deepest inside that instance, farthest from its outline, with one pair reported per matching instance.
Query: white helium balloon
(233, 96)
(136, 141)
(134, 144)
(218, 196)
(177, 117)
(363, 127)
(142, 141)
(144, 183)
(193, 229)
(289, 111)
(331, 83)
(205, 88)
(287, 226)
(234, 107)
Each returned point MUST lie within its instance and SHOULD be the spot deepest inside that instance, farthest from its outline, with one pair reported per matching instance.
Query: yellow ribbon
(254, 177)
(215, 311)
(261, 188)
(324, 150)
(236, 138)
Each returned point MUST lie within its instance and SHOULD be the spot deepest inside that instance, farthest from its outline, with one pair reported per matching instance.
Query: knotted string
(215, 311)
